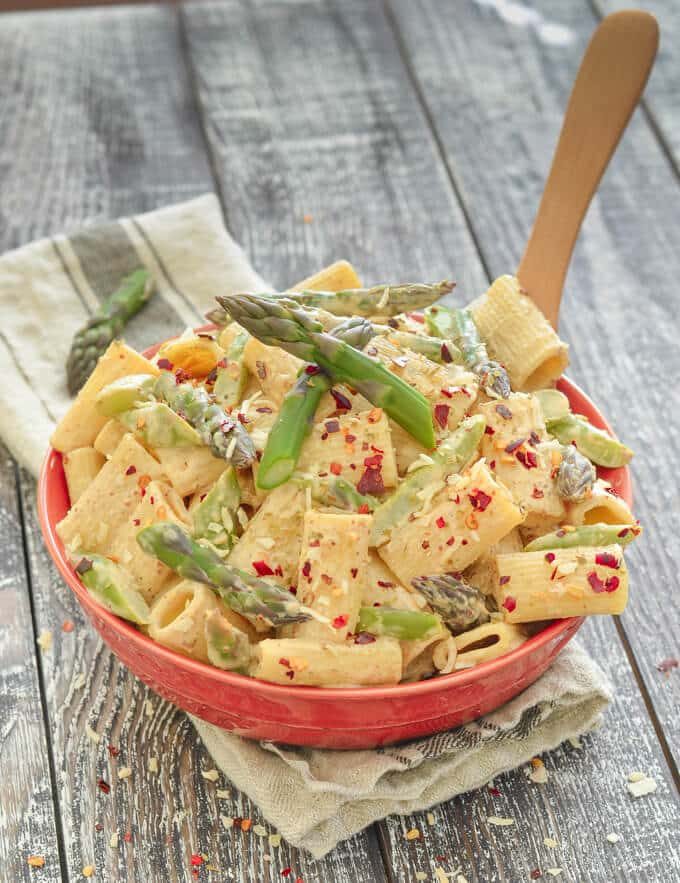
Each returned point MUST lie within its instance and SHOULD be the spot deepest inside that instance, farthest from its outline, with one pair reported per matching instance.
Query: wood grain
(110, 89)
(620, 306)
(27, 814)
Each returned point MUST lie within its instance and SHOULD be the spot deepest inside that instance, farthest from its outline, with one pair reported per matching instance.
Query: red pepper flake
(299, 880)
(196, 860)
(363, 509)
(127, 836)
(537, 493)
(364, 638)
(222, 363)
(375, 460)
(479, 499)
(136, 522)
(306, 569)
(623, 533)
(549, 557)
(384, 584)
(340, 621)
(425, 544)
(371, 482)
(561, 533)
(312, 369)
(131, 470)
(489, 430)
(606, 559)
(332, 426)
(611, 584)
(504, 411)
(534, 438)
(99, 827)
(492, 464)
(246, 824)
(67, 626)
(336, 468)
(286, 872)
(326, 578)
(527, 459)
(494, 791)
(440, 522)
(113, 751)
(446, 392)
(261, 568)
(463, 542)
(596, 584)
(181, 376)
(504, 580)
(103, 786)
(450, 541)
(342, 403)
(292, 589)
(417, 317)
(374, 415)
(668, 664)
(350, 439)
(284, 662)
(509, 603)
(278, 570)
(441, 415)
(165, 364)
(536, 874)
(446, 356)
(614, 493)
(512, 447)
(354, 572)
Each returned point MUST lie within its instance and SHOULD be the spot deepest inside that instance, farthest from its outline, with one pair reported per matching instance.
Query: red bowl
(325, 718)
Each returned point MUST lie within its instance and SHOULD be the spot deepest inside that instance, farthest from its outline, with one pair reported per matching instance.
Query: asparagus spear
(215, 516)
(90, 341)
(344, 494)
(459, 326)
(383, 300)
(296, 417)
(253, 598)
(159, 427)
(576, 474)
(451, 456)
(282, 323)
(228, 647)
(112, 587)
(460, 605)
(435, 349)
(586, 535)
(224, 435)
(231, 377)
(124, 394)
(594, 443)
(405, 625)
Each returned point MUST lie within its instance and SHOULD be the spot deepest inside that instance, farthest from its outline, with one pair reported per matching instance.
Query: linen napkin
(315, 798)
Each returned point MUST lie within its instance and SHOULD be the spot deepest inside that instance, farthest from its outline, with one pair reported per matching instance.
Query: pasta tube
(602, 505)
(333, 560)
(190, 470)
(177, 619)
(275, 369)
(109, 438)
(457, 522)
(519, 336)
(334, 277)
(487, 642)
(583, 580)
(80, 468)
(313, 663)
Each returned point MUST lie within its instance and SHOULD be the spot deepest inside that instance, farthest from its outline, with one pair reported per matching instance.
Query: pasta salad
(344, 486)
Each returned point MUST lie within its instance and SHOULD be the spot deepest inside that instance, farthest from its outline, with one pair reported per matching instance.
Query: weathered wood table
(412, 137)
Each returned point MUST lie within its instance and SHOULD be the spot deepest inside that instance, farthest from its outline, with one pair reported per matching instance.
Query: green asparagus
(296, 417)
(344, 494)
(228, 647)
(405, 625)
(159, 426)
(282, 323)
(125, 393)
(576, 474)
(225, 436)
(461, 606)
(554, 404)
(92, 340)
(381, 300)
(586, 535)
(435, 349)
(256, 600)
(459, 326)
(112, 587)
(595, 444)
(215, 516)
(232, 376)
(452, 455)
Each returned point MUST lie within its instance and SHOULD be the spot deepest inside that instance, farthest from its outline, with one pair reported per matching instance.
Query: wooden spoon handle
(609, 83)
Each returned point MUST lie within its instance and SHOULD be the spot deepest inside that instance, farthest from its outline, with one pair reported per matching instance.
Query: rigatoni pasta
(383, 502)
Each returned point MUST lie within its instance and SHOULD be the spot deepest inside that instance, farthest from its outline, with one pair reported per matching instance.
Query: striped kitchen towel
(314, 798)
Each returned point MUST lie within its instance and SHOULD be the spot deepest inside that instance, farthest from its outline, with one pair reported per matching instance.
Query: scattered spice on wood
(668, 664)
(35, 861)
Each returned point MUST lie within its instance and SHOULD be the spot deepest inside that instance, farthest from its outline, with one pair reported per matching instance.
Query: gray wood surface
(27, 812)
(621, 302)
(416, 137)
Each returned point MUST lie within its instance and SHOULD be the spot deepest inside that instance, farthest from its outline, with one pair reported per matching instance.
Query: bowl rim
(227, 679)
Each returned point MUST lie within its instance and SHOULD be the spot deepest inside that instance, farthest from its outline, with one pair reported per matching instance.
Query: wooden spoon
(610, 80)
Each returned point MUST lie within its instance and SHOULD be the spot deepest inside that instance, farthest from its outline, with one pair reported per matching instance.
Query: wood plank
(276, 97)
(661, 96)
(27, 819)
(123, 137)
(629, 251)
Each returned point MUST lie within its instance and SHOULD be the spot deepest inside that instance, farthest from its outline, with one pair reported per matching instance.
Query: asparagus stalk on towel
(405, 625)
(460, 605)
(282, 323)
(224, 435)
(452, 455)
(296, 417)
(92, 340)
(253, 598)
(459, 327)
(586, 535)
(381, 300)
